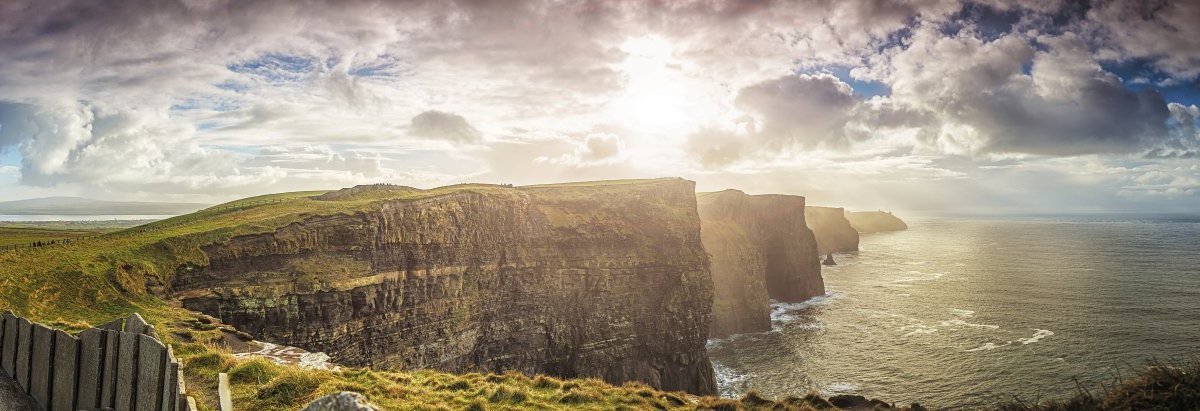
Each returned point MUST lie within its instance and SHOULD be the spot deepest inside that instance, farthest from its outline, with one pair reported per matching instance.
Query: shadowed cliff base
(761, 250)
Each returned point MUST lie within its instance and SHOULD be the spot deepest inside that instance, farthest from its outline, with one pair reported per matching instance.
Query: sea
(961, 312)
(87, 217)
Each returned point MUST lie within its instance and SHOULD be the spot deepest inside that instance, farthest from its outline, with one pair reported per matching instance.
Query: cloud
(986, 102)
(443, 126)
(716, 147)
(601, 147)
(805, 110)
(596, 149)
(1163, 32)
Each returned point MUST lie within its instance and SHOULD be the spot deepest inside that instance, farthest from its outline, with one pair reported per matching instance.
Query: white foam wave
(840, 387)
(962, 313)
(961, 323)
(1038, 335)
(989, 346)
(918, 329)
(726, 377)
(829, 297)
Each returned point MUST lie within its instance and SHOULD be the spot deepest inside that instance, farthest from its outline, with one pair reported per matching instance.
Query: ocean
(966, 311)
(82, 217)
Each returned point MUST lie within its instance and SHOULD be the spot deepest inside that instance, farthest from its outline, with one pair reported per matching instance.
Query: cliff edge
(875, 221)
(604, 279)
(761, 249)
(832, 229)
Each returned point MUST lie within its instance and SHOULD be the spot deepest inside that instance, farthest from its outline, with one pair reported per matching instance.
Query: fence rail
(120, 365)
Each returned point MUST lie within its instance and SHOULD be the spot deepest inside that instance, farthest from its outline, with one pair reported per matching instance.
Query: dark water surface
(960, 312)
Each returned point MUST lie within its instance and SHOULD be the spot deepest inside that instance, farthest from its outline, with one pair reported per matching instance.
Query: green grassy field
(20, 236)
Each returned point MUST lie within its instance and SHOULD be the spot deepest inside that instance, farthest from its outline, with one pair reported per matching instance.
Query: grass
(601, 183)
(1156, 386)
(24, 236)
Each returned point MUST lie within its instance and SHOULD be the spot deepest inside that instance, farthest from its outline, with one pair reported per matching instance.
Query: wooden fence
(120, 365)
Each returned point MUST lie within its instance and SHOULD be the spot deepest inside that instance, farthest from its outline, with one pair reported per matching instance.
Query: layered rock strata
(607, 280)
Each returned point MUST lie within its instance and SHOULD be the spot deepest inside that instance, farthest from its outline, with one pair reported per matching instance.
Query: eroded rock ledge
(761, 249)
(605, 280)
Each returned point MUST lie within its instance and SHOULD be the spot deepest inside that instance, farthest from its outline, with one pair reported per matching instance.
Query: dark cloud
(1165, 32)
(1003, 96)
(805, 110)
(443, 126)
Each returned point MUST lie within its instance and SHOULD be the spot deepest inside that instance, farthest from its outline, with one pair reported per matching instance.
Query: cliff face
(606, 280)
(761, 249)
(832, 229)
(875, 221)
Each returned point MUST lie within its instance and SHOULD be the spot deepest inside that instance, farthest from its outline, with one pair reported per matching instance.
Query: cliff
(607, 280)
(760, 250)
(875, 221)
(833, 231)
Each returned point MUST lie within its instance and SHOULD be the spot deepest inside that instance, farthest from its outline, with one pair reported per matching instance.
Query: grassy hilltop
(113, 273)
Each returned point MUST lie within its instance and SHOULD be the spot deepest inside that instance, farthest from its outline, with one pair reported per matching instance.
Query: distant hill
(87, 206)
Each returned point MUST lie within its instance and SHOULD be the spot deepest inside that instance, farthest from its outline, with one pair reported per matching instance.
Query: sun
(655, 99)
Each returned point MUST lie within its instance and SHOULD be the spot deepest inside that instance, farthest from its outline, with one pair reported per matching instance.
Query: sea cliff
(761, 249)
(875, 221)
(832, 229)
(607, 280)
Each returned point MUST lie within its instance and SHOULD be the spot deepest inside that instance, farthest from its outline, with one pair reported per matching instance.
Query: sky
(932, 105)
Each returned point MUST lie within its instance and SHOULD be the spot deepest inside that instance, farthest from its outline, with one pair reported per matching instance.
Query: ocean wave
(840, 388)
(989, 346)
(829, 297)
(963, 313)
(727, 379)
(958, 322)
(1038, 335)
(918, 329)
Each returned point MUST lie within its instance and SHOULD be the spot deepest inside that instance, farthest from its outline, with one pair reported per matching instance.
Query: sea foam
(1038, 335)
